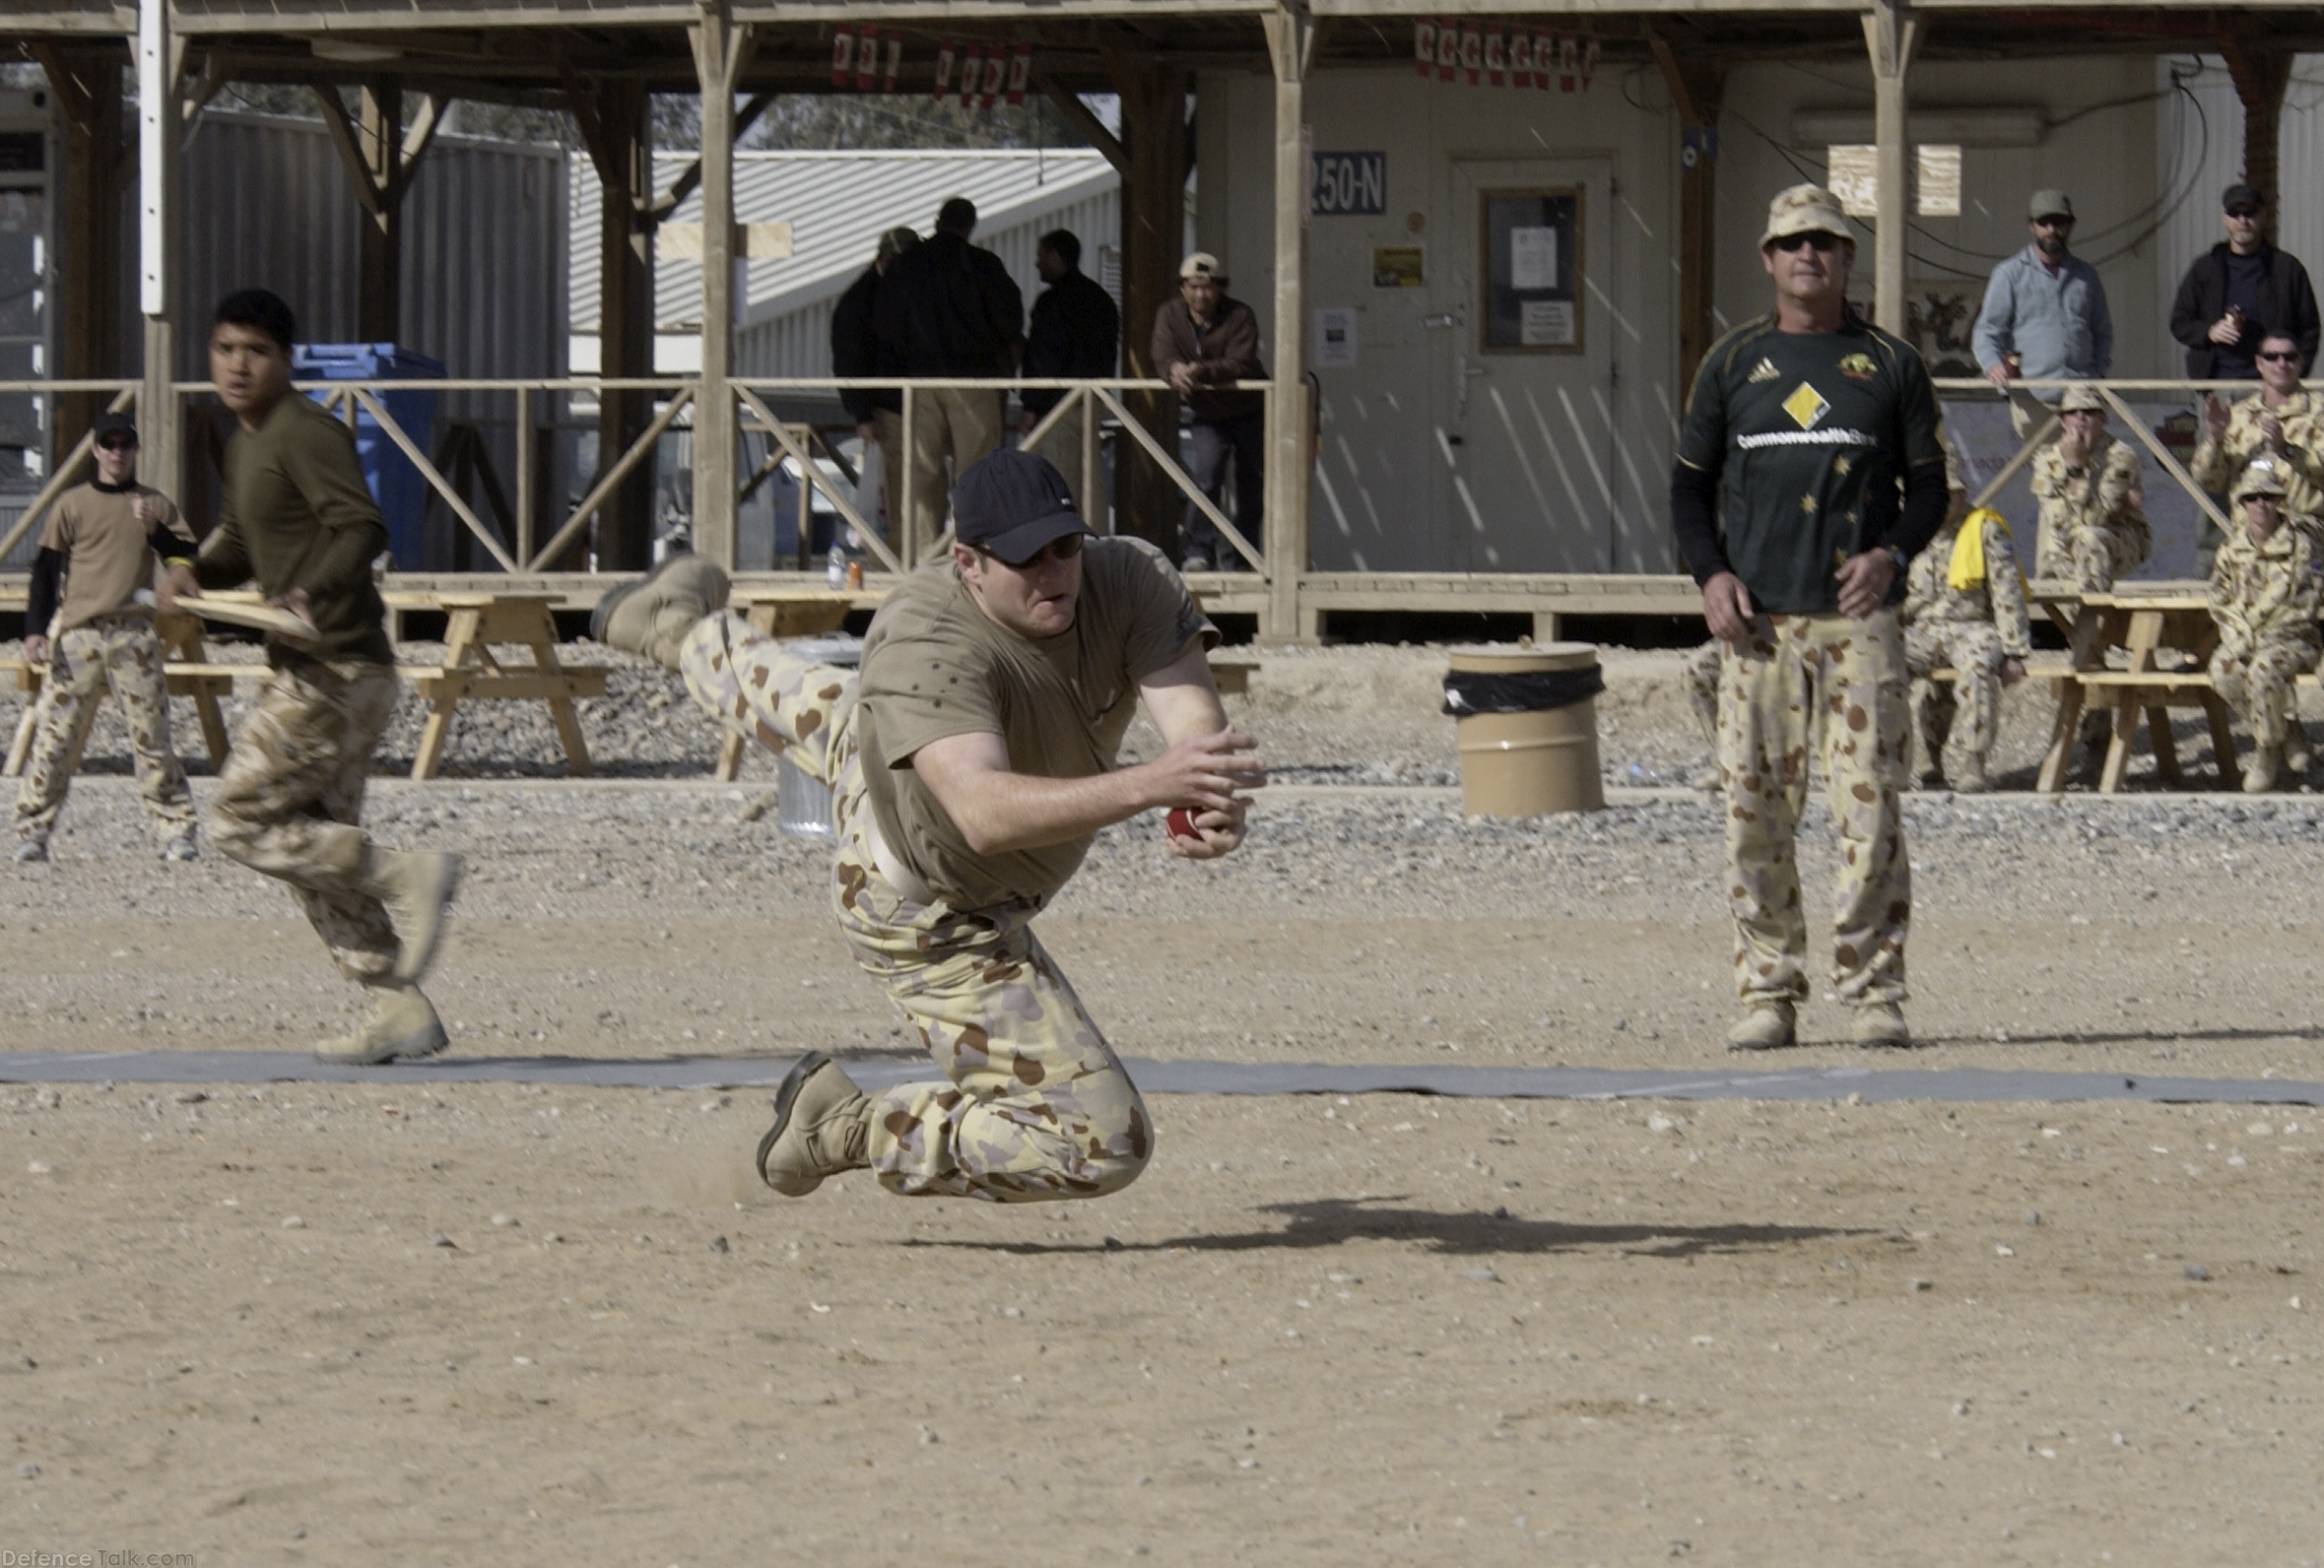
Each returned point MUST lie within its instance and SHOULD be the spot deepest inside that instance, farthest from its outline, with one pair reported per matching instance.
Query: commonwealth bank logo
(1806, 406)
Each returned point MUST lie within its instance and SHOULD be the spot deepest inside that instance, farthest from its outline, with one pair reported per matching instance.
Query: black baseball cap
(2241, 195)
(1012, 504)
(114, 424)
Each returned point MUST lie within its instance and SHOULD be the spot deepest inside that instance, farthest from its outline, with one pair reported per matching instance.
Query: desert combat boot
(822, 1127)
(653, 615)
(417, 886)
(402, 1025)
(2259, 774)
(1881, 1025)
(1767, 1024)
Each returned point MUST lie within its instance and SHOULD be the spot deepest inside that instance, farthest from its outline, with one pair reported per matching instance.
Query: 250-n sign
(1351, 184)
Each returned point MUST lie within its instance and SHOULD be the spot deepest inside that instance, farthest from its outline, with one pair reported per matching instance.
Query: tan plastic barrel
(1529, 765)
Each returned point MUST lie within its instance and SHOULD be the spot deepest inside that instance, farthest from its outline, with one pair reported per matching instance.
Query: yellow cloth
(1966, 568)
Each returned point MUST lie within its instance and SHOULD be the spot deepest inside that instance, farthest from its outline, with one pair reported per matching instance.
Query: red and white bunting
(1423, 47)
(1568, 62)
(867, 60)
(895, 61)
(996, 72)
(843, 57)
(1520, 59)
(1472, 54)
(972, 74)
(946, 53)
(1019, 74)
(1497, 58)
(1448, 50)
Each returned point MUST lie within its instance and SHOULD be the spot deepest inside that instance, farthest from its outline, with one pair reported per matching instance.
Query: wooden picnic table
(2147, 620)
(477, 622)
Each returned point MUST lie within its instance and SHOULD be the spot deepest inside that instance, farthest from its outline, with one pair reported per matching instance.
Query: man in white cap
(2044, 316)
(1817, 436)
(2094, 530)
(2267, 587)
(1203, 342)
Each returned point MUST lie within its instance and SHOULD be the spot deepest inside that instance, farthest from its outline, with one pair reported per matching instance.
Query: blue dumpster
(396, 485)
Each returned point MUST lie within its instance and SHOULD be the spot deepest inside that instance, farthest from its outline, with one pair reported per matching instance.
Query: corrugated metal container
(836, 204)
(269, 204)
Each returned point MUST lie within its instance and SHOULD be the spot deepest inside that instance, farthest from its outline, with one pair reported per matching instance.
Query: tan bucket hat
(1805, 210)
(2082, 400)
(2259, 478)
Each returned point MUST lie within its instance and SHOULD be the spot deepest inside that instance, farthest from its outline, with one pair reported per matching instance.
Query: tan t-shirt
(934, 665)
(107, 558)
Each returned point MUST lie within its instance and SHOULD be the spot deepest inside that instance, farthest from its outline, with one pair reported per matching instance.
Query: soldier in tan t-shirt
(98, 547)
(971, 764)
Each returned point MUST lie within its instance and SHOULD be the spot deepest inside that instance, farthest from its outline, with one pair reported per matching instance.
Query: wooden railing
(537, 536)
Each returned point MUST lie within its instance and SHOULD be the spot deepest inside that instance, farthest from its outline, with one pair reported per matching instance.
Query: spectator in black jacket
(1075, 332)
(2240, 291)
(856, 350)
(947, 308)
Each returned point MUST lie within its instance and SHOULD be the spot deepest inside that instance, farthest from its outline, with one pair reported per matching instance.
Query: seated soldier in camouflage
(1964, 607)
(2092, 528)
(2281, 420)
(2265, 587)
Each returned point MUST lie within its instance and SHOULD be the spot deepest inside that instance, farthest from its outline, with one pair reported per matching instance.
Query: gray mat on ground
(1960, 1083)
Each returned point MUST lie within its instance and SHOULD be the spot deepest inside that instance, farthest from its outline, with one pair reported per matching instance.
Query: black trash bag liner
(1468, 691)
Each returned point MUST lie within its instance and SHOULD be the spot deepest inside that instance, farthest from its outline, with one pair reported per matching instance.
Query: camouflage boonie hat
(1805, 210)
(2082, 400)
(2261, 477)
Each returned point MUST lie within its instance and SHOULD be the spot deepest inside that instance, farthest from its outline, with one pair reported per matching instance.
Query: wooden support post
(2261, 72)
(87, 83)
(615, 122)
(379, 154)
(1696, 87)
(525, 477)
(1152, 93)
(160, 193)
(718, 50)
(1890, 33)
(380, 271)
(1290, 43)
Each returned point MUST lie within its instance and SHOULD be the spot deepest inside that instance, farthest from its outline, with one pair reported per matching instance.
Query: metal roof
(836, 204)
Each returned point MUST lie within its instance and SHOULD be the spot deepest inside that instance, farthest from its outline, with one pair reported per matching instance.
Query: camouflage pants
(2089, 555)
(1836, 686)
(1698, 677)
(122, 653)
(1034, 1103)
(291, 800)
(1972, 649)
(2258, 685)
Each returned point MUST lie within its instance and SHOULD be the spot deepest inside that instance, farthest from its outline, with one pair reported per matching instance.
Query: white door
(1526, 430)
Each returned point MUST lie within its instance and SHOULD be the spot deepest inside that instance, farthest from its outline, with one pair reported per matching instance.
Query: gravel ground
(1555, 1333)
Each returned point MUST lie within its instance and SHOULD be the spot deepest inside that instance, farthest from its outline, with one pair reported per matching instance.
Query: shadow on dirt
(1335, 1221)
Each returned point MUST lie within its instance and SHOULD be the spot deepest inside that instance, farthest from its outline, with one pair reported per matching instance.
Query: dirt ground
(408, 1323)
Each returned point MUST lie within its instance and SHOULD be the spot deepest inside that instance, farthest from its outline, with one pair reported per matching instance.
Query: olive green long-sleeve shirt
(294, 513)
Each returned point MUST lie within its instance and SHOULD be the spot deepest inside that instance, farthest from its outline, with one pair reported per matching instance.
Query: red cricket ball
(1181, 824)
